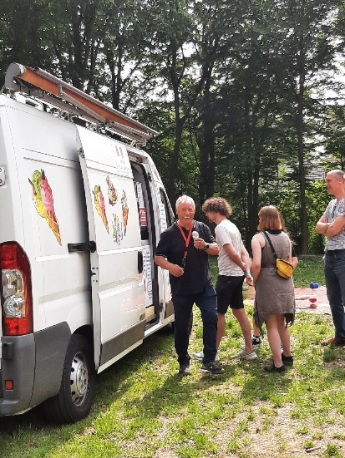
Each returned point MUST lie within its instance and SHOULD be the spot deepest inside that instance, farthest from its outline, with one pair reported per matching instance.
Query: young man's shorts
(229, 293)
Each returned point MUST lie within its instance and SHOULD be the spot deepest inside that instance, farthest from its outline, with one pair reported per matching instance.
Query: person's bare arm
(330, 229)
(245, 257)
(248, 263)
(173, 269)
(257, 243)
(321, 226)
(237, 259)
(212, 250)
(293, 261)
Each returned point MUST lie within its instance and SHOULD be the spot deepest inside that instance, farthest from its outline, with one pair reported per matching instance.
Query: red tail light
(16, 295)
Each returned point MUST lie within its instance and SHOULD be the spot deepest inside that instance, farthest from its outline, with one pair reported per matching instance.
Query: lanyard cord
(186, 239)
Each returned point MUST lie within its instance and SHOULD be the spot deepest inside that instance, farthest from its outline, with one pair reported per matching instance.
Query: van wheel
(73, 402)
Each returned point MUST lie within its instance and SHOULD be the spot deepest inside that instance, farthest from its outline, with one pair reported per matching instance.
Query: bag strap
(269, 241)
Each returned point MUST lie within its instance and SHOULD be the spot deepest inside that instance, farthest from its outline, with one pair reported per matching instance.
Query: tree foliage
(247, 96)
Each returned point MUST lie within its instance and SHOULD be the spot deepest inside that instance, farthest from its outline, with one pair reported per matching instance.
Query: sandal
(329, 341)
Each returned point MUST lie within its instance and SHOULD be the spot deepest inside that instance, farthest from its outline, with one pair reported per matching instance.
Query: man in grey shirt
(332, 225)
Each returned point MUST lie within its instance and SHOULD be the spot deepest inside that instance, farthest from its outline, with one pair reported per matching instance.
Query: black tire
(73, 402)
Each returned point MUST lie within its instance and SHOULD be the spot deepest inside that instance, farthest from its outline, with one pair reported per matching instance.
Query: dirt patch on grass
(303, 302)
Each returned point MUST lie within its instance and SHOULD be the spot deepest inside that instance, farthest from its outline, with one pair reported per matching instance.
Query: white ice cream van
(82, 208)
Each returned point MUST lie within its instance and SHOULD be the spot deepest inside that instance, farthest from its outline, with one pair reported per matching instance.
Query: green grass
(309, 269)
(144, 409)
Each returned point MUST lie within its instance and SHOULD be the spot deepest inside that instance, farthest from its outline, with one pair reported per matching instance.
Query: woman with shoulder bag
(274, 295)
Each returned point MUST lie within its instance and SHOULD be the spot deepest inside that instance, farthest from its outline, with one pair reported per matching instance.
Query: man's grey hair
(339, 174)
(185, 200)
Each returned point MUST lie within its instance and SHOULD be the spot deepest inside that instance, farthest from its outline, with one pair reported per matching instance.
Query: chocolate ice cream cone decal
(42, 195)
(112, 194)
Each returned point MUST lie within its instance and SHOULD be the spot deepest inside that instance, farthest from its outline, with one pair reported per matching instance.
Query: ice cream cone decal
(112, 194)
(125, 211)
(36, 196)
(100, 205)
(55, 228)
(117, 233)
(42, 195)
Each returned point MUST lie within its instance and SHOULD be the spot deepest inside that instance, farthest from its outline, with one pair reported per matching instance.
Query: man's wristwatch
(207, 246)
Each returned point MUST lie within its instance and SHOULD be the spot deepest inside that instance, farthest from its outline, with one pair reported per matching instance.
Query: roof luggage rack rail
(46, 87)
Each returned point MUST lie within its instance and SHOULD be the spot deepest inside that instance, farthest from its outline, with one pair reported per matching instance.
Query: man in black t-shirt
(183, 250)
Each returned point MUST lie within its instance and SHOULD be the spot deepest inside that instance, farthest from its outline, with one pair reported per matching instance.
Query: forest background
(247, 95)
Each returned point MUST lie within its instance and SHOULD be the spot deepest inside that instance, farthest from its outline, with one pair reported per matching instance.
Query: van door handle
(140, 261)
(87, 247)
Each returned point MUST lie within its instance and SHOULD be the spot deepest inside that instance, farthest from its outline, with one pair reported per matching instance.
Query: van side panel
(64, 288)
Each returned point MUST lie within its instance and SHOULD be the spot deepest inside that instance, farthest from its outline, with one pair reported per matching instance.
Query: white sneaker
(199, 356)
(244, 355)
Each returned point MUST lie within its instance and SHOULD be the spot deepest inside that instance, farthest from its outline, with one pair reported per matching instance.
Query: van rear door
(116, 258)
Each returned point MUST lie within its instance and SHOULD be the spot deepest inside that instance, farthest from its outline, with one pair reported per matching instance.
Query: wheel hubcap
(79, 379)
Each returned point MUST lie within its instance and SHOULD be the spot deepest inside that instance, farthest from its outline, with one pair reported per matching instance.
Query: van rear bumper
(34, 364)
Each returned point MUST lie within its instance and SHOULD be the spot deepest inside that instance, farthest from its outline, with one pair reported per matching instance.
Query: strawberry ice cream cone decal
(100, 205)
(42, 195)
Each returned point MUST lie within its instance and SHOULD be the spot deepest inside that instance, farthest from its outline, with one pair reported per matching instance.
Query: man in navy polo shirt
(183, 250)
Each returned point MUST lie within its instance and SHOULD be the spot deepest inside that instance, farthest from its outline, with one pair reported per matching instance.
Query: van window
(142, 210)
(168, 212)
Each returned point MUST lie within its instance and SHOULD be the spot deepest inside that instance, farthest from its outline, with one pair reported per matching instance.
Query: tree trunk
(172, 189)
(206, 146)
(302, 181)
(300, 147)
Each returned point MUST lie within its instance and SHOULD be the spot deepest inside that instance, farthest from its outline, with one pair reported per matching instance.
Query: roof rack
(39, 83)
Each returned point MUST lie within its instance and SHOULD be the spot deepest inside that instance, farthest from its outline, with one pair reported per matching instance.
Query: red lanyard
(186, 239)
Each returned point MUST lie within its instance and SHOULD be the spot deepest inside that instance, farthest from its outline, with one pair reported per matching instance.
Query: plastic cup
(313, 300)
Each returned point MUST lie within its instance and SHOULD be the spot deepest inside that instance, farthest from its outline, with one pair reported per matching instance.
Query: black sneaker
(212, 368)
(287, 360)
(184, 369)
(274, 368)
(256, 342)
